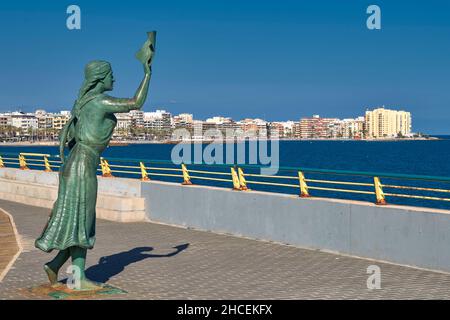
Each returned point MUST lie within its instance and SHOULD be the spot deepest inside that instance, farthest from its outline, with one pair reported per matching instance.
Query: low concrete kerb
(19, 244)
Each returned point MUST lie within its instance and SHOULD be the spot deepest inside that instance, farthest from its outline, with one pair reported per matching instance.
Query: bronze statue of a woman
(71, 225)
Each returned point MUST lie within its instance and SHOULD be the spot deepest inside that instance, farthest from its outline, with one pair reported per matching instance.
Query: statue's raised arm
(145, 56)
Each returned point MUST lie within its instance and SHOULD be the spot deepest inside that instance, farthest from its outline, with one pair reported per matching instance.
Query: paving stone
(8, 244)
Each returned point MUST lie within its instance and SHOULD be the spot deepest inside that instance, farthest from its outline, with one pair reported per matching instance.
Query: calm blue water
(410, 157)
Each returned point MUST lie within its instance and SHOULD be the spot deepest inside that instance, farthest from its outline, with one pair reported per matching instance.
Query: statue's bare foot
(88, 285)
(51, 274)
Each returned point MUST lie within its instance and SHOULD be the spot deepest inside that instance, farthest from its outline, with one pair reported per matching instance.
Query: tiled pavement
(8, 244)
(140, 258)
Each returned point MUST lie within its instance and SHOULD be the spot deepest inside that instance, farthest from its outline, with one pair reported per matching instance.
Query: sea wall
(117, 199)
(412, 236)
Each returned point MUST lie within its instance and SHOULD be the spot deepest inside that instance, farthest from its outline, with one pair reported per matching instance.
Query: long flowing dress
(72, 221)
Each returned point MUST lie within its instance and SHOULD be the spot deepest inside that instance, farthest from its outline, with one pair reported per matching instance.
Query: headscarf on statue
(94, 72)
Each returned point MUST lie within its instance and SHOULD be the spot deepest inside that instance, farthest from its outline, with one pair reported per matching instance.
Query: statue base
(62, 292)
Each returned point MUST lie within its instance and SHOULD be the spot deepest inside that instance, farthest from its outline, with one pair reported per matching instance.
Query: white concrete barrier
(412, 236)
(118, 199)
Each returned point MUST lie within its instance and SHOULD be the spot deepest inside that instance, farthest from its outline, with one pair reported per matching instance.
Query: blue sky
(276, 60)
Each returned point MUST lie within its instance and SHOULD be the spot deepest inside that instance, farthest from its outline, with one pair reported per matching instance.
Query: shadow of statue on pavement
(109, 266)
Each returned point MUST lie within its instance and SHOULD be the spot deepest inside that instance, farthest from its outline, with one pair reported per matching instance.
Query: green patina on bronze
(71, 225)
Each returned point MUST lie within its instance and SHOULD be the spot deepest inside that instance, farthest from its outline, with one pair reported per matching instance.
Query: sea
(413, 157)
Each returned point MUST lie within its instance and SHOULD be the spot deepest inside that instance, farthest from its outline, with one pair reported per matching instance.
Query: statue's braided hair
(94, 72)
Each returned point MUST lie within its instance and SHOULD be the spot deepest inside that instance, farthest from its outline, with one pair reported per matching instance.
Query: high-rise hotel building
(385, 123)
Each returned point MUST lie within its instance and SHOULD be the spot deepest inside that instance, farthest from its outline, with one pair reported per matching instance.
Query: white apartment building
(186, 117)
(183, 120)
(352, 128)
(255, 125)
(218, 120)
(45, 121)
(40, 113)
(24, 121)
(386, 123)
(137, 117)
(288, 128)
(285, 129)
(155, 115)
(158, 120)
(5, 120)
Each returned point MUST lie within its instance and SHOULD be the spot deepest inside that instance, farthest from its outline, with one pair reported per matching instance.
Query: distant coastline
(128, 142)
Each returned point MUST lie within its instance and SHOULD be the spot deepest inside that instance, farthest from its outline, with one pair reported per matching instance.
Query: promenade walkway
(153, 261)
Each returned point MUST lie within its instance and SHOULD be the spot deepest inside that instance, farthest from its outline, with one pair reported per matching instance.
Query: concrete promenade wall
(405, 235)
(117, 199)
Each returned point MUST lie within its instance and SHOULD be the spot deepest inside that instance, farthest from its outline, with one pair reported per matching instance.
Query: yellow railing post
(186, 177)
(242, 182)
(22, 162)
(102, 165)
(236, 182)
(48, 168)
(143, 172)
(379, 191)
(303, 186)
(106, 171)
(2, 165)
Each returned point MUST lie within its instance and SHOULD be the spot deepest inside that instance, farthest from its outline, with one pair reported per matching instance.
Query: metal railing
(306, 180)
